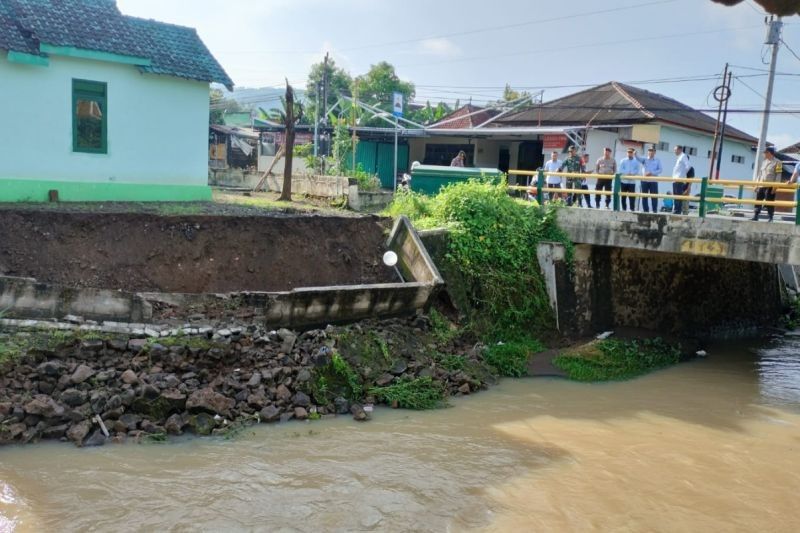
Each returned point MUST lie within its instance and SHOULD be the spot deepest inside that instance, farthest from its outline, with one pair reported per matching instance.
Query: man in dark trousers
(770, 172)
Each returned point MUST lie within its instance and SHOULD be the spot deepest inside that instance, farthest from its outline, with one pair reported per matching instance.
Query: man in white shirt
(553, 182)
(682, 167)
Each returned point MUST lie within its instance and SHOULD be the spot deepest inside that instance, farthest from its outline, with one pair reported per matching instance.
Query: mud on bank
(192, 254)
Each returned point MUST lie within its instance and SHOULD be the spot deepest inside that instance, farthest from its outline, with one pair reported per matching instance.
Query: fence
(704, 198)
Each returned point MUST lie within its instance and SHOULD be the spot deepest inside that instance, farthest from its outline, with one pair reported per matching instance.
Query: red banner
(556, 141)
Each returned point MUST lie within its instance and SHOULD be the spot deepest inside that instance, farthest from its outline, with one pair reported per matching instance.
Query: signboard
(704, 247)
(397, 106)
(554, 142)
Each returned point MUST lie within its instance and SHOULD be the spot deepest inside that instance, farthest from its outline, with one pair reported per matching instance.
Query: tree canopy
(776, 7)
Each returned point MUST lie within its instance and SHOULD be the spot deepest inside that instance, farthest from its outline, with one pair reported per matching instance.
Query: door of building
(504, 160)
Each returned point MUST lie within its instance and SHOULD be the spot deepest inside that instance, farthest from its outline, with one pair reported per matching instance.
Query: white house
(101, 106)
(611, 115)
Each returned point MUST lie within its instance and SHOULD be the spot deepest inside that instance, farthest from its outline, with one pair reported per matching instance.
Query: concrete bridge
(708, 277)
(727, 238)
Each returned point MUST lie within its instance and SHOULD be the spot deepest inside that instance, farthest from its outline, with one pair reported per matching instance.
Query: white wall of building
(157, 125)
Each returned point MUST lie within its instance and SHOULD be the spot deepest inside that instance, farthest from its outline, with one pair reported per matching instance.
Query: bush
(617, 359)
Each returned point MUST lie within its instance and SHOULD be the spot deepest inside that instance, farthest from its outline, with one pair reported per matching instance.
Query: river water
(709, 445)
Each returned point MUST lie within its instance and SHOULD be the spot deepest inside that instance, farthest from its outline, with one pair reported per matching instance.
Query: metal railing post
(539, 187)
(703, 192)
(617, 188)
(797, 207)
(741, 192)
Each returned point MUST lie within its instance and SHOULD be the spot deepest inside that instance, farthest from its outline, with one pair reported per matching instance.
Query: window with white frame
(690, 150)
(737, 159)
(663, 147)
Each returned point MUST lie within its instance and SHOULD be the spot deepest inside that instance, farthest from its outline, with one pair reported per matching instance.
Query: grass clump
(511, 359)
(618, 359)
(418, 394)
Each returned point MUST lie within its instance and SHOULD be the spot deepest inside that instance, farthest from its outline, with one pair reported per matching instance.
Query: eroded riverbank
(709, 444)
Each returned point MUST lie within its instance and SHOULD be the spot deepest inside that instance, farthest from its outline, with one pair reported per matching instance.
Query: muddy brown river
(710, 445)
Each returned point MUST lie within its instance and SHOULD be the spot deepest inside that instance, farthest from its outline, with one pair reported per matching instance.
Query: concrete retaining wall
(26, 298)
(670, 293)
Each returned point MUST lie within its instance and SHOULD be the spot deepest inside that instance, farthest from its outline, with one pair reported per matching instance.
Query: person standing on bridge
(553, 182)
(605, 166)
(652, 167)
(682, 167)
(770, 172)
(630, 166)
(573, 164)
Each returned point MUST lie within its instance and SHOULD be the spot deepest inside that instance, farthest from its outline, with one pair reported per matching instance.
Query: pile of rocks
(94, 391)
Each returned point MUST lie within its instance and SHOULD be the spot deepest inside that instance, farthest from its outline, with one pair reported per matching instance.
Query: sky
(469, 49)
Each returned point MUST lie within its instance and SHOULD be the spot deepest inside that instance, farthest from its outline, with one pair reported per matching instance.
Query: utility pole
(316, 125)
(724, 124)
(325, 106)
(774, 40)
(722, 95)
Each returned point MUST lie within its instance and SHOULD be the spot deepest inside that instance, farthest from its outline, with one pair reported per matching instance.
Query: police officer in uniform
(770, 172)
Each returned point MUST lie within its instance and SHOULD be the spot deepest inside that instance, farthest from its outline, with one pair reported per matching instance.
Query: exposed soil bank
(193, 254)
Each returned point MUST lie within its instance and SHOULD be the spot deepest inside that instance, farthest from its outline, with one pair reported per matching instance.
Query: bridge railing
(538, 186)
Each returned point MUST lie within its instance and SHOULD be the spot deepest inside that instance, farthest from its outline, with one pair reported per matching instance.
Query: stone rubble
(195, 379)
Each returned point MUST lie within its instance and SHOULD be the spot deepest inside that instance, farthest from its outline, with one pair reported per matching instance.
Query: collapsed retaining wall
(332, 256)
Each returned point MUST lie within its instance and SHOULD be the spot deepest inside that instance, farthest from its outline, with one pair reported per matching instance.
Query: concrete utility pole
(316, 125)
(774, 40)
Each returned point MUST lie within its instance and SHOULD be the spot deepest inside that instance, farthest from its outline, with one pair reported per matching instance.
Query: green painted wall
(22, 190)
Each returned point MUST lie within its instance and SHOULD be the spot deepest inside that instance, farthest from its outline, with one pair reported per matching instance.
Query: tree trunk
(286, 193)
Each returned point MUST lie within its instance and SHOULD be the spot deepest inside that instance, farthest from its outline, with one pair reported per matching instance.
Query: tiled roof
(618, 103)
(98, 25)
(458, 119)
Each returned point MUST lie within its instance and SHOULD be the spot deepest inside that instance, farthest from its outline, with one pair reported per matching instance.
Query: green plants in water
(618, 359)
(510, 359)
(419, 394)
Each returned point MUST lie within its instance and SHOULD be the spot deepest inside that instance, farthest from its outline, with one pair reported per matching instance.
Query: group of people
(632, 165)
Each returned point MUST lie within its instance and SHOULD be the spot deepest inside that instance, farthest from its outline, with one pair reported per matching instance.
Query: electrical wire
(484, 29)
(580, 46)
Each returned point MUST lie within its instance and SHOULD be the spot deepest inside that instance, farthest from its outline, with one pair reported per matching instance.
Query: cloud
(439, 47)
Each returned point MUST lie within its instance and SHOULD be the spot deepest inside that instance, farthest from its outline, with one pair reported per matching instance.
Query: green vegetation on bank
(491, 248)
(617, 359)
(419, 394)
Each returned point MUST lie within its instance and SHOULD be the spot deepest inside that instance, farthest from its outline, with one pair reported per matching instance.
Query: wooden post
(286, 193)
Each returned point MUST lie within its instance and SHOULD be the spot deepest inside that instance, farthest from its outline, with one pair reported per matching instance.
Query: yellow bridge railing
(539, 188)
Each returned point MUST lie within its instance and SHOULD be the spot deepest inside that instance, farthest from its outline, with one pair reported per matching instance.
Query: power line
(790, 49)
(782, 108)
(467, 32)
(581, 46)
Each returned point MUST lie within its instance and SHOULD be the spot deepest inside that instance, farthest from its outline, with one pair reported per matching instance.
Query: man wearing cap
(630, 166)
(605, 166)
(652, 167)
(572, 164)
(770, 172)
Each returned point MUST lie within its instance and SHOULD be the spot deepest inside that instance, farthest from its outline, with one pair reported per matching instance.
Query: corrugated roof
(98, 25)
(458, 119)
(616, 102)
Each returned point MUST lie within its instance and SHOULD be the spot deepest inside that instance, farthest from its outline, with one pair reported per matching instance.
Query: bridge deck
(712, 236)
